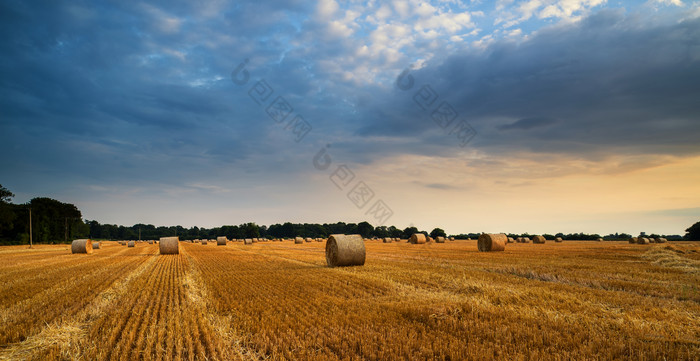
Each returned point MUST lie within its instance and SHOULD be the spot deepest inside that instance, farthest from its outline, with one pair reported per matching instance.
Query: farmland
(279, 300)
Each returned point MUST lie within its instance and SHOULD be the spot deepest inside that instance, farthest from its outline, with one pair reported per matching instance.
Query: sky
(537, 116)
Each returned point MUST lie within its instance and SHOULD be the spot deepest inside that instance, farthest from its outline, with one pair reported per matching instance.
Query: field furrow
(279, 301)
(426, 302)
(66, 297)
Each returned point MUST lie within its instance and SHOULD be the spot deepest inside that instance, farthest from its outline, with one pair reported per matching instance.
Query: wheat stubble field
(278, 300)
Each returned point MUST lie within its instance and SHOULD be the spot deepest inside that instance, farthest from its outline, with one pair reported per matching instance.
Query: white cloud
(326, 9)
(163, 21)
(670, 2)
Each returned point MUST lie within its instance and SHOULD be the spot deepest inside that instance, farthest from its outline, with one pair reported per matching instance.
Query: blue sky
(577, 115)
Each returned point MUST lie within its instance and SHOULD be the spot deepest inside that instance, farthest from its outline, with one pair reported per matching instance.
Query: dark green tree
(5, 195)
(250, 230)
(437, 232)
(408, 232)
(365, 229)
(693, 232)
(7, 213)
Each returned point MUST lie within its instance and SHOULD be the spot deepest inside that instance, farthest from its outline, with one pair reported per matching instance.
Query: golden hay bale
(539, 239)
(642, 240)
(661, 240)
(81, 246)
(519, 239)
(492, 242)
(451, 239)
(510, 240)
(131, 244)
(307, 239)
(345, 250)
(150, 241)
(169, 245)
(387, 240)
(558, 239)
(600, 240)
(221, 241)
(248, 241)
(204, 242)
(440, 240)
(417, 238)
(526, 239)
(633, 240)
(96, 245)
(298, 240)
(319, 239)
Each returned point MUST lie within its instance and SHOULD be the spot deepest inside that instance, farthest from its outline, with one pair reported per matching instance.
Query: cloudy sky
(507, 116)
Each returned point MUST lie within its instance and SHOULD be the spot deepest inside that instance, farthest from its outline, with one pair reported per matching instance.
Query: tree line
(56, 222)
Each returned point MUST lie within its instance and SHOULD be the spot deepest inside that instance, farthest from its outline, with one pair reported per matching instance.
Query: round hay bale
(661, 240)
(319, 239)
(204, 242)
(510, 240)
(519, 239)
(452, 239)
(345, 250)
(417, 238)
(150, 241)
(131, 244)
(558, 239)
(430, 239)
(600, 240)
(307, 239)
(169, 245)
(539, 240)
(221, 241)
(298, 240)
(248, 241)
(387, 240)
(633, 240)
(96, 245)
(643, 240)
(440, 240)
(492, 242)
(81, 246)
(526, 239)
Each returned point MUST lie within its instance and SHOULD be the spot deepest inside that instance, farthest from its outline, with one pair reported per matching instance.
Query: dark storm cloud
(528, 123)
(607, 83)
(116, 89)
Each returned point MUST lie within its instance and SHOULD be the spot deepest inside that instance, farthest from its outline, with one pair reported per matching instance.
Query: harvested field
(277, 300)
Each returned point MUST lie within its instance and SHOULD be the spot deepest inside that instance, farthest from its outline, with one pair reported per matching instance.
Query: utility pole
(31, 243)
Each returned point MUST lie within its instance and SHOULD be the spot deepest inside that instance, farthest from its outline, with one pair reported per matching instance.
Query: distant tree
(394, 232)
(693, 232)
(7, 214)
(5, 195)
(408, 232)
(365, 229)
(381, 232)
(437, 232)
(287, 230)
(250, 230)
